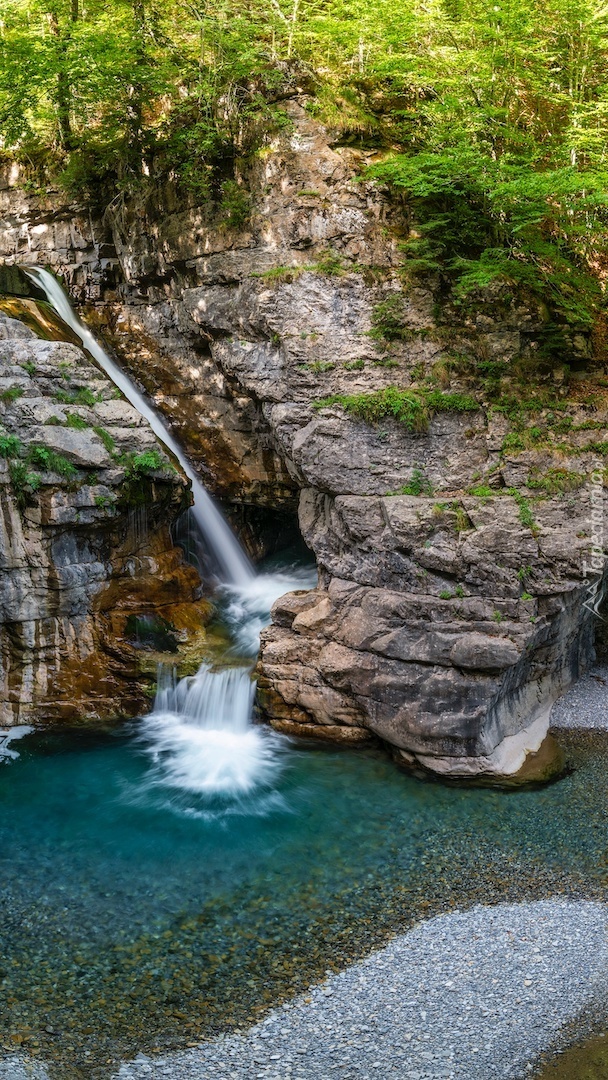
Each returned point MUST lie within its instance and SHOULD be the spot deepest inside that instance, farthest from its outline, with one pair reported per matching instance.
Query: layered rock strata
(86, 501)
(457, 579)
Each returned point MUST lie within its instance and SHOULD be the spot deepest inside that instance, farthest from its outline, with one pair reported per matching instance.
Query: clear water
(136, 915)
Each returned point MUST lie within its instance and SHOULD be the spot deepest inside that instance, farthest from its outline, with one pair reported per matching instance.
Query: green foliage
(29, 366)
(103, 502)
(525, 512)
(404, 405)
(419, 484)
(354, 365)
(413, 408)
(526, 596)
(279, 274)
(106, 439)
(445, 594)
(9, 446)
(235, 205)
(24, 482)
(138, 465)
(491, 119)
(12, 394)
(498, 616)
(556, 481)
(49, 460)
(482, 491)
(462, 522)
(330, 264)
(320, 365)
(82, 396)
(73, 420)
(388, 320)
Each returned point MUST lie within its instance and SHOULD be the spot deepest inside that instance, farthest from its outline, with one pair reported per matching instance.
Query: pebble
(449, 1000)
(584, 705)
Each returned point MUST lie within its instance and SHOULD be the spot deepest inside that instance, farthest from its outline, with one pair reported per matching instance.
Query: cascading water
(200, 736)
(234, 565)
(201, 739)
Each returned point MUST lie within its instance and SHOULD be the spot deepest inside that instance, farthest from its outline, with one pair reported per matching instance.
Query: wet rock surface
(446, 622)
(84, 535)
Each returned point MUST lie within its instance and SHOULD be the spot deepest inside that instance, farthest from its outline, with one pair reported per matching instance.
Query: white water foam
(247, 609)
(200, 737)
(9, 735)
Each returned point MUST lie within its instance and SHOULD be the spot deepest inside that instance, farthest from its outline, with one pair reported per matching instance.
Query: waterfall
(201, 739)
(234, 565)
(200, 736)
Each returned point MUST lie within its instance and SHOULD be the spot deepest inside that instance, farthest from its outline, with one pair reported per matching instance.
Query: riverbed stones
(472, 995)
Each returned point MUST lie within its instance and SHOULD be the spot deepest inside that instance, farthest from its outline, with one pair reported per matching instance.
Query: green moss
(106, 439)
(482, 492)
(413, 408)
(12, 394)
(83, 396)
(73, 420)
(556, 481)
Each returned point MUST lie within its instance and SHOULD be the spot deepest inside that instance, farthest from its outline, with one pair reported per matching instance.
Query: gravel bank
(585, 705)
(472, 995)
(15, 1068)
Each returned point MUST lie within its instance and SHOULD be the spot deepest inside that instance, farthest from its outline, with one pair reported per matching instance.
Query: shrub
(388, 320)
(417, 485)
(24, 482)
(235, 205)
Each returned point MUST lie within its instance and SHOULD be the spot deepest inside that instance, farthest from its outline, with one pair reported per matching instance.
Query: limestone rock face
(444, 623)
(83, 542)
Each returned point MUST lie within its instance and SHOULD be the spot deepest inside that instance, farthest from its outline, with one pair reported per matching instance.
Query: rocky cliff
(86, 499)
(447, 466)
